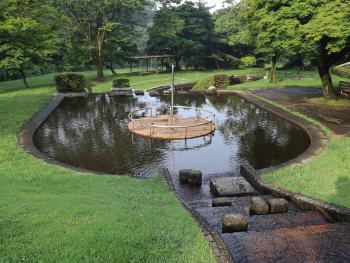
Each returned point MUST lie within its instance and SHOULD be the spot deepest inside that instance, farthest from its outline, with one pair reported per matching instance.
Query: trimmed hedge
(121, 83)
(219, 81)
(71, 82)
(248, 62)
(343, 72)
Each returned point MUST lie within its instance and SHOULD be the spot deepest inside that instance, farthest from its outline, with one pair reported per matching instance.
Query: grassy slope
(51, 214)
(326, 177)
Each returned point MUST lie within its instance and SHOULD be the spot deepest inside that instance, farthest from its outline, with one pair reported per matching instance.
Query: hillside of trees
(38, 37)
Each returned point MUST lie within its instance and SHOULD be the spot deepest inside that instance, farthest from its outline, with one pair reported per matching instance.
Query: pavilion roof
(152, 56)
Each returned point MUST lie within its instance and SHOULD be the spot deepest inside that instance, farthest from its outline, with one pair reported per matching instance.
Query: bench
(344, 88)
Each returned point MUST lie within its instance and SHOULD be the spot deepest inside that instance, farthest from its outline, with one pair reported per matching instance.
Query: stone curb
(333, 213)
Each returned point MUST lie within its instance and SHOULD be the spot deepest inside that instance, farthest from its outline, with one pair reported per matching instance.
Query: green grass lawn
(289, 78)
(326, 177)
(52, 214)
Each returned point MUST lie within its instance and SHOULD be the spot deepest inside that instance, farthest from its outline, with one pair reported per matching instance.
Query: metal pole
(172, 91)
(140, 67)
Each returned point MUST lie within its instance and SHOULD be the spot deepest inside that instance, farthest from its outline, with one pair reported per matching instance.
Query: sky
(216, 3)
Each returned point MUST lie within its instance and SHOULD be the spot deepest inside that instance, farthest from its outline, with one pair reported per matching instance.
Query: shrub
(343, 72)
(205, 83)
(121, 83)
(248, 62)
(71, 82)
(219, 81)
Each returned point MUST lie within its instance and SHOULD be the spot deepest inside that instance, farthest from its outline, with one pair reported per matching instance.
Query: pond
(92, 133)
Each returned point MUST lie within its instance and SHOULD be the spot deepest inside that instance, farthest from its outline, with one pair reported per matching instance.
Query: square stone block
(195, 178)
(278, 205)
(234, 223)
(230, 187)
(258, 206)
(184, 175)
(222, 201)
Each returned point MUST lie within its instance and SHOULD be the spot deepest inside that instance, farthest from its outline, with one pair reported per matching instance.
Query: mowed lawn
(52, 214)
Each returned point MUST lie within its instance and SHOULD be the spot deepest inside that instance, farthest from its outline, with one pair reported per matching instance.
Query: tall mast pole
(172, 92)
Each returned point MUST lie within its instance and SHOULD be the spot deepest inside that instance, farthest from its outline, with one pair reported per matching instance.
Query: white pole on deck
(172, 91)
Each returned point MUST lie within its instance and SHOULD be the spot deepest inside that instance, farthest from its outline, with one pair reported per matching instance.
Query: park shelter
(149, 63)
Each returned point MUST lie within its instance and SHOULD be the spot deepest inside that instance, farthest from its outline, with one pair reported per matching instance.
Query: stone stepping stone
(234, 223)
(222, 201)
(278, 205)
(230, 187)
(121, 92)
(313, 243)
(286, 220)
(258, 206)
(139, 92)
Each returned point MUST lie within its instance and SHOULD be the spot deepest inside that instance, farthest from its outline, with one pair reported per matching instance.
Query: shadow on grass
(342, 195)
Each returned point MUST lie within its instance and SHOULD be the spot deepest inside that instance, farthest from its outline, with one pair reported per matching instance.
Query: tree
(325, 27)
(164, 34)
(186, 31)
(276, 32)
(28, 35)
(100, 20)
(318, 29)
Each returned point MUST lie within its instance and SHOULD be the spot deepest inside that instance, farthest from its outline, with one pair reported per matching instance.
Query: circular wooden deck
(180, 128)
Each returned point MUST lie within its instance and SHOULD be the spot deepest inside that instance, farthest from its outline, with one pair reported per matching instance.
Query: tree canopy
(28, 35)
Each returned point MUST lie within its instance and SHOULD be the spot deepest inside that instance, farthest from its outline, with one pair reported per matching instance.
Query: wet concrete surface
(335, 118)
(296, 236)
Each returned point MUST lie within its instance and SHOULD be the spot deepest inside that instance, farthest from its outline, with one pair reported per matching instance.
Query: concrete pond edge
(332, 212)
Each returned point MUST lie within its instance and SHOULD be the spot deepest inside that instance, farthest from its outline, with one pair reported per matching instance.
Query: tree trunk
(111, 68)
(273, 69)
(99, 59)
(327, 85)
(23, 75)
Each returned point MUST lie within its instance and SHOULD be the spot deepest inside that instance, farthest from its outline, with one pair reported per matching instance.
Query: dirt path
(335, 118)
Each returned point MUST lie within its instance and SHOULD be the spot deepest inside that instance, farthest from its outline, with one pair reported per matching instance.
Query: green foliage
(219, 81)
(186, 31)
(106, 31)
(204, 84)
(121, 83)
(343, 72)
(70, 82)
(248, 62)
(28, 35)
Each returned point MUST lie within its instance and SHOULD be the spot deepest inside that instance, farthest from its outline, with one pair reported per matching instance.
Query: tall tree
(186, 31)
(164, 34)
(276, 32)
(98, 20)
(28, 35)
(325, 27)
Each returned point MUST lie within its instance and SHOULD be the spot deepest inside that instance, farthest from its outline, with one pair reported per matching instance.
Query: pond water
(92, 133)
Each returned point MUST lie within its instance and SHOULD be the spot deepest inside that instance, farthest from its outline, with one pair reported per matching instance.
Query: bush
(71, 82)
(219, 81)
(343, 72)
(121, 83)
(248, 62)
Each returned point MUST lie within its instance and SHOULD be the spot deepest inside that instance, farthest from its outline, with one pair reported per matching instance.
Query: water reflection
(93, 134)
